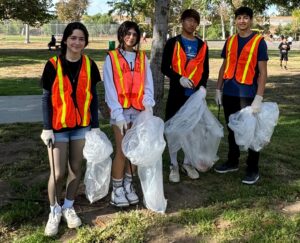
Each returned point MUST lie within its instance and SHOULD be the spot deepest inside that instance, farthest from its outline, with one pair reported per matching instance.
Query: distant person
(290, 40)
(70, 109)
(242, 79)
(52, 42)
(284, 48)
(185, 63)
(144, 37)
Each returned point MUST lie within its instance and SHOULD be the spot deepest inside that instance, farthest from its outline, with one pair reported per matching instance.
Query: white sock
(128, 179)
(55, 209)
(68, 203)
(117, 182)
(173, 157)
(186, 161)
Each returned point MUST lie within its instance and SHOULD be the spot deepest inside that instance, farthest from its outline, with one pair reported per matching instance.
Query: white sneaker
(70, 216)
(130, 194)
(52, 224)
(174, 174)
(118, 197)
(190, 171)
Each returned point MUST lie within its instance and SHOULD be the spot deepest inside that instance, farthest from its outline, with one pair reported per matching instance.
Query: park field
(214, 208)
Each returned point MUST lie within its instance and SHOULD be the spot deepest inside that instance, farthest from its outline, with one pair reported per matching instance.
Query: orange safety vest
(193, 69)
(242, 67)
(129, 86)
(66, 112)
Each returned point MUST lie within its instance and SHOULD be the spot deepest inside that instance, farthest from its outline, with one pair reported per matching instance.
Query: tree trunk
(160, 30)
(26, 41)
(222, 26)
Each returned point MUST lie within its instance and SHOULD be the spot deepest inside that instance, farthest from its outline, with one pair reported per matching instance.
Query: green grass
(227, 211)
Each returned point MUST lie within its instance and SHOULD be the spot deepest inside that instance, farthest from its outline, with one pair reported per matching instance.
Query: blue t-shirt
(234, 88)
(190, 48)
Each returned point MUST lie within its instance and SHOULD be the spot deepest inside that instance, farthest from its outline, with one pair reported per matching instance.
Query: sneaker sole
(72, 226)
(250, 182)
(174, 181)
(226, 171)
(133, 202)
(119, 205)
(191, 177)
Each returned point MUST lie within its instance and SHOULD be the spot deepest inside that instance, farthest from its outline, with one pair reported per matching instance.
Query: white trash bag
(152, 185)
(143, 144)
(97, 151)
(243, 124)
(202, 144)
(254, 131)
(195, 129)
(267, 119)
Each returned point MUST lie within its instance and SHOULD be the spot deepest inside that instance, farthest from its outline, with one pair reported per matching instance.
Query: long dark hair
(123, 30)
(69, 31)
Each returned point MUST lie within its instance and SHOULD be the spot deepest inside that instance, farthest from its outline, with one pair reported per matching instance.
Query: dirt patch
(292, 209)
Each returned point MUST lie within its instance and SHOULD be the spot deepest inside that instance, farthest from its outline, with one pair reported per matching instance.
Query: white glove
(46, 136)
(96, 130)
(218, 97)
(256, 104)
(149, 109)
(186, 83)
(203, 91)
(122, 125)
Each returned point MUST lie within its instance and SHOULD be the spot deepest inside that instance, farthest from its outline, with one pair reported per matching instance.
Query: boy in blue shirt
(242, 85)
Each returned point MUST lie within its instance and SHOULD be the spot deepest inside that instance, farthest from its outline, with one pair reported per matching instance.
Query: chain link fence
(17, 28)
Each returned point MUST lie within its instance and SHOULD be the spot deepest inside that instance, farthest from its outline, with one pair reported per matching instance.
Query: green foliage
(71, 10)
(32, 12)
(136, 10)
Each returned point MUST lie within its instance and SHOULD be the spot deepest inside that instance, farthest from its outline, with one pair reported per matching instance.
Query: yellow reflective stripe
(142, 63)
(121, 76)
(192, 74)
(62, 95)
(178, 58)
(87, 90)
(229, 52)
(249, 59)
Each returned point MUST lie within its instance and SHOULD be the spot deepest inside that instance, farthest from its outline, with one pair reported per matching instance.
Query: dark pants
(231, 105)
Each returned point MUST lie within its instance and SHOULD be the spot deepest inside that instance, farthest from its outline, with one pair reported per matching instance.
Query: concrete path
(25, 108)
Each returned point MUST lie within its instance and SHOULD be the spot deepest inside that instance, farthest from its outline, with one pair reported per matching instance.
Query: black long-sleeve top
(71, 69)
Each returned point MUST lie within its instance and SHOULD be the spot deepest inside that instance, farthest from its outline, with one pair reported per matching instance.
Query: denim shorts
(129, 115)
(71, 135)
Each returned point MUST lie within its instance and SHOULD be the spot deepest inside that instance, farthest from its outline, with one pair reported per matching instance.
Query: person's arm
(148, 99)
(95, 76)
(111, 96)
(220, 76)
(47, 80)
(262, 78)
(166, 66)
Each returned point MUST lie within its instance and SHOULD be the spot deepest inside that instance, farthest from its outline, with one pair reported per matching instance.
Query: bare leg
(74, 167)
(118, 165)
(60, 160)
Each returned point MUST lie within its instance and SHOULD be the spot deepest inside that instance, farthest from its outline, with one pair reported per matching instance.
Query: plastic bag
(195, 129)
(254, 131)
(143, 144)
(266, 122)
(202, 144)
(97, 151)
(152, 186)
(243, 124)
